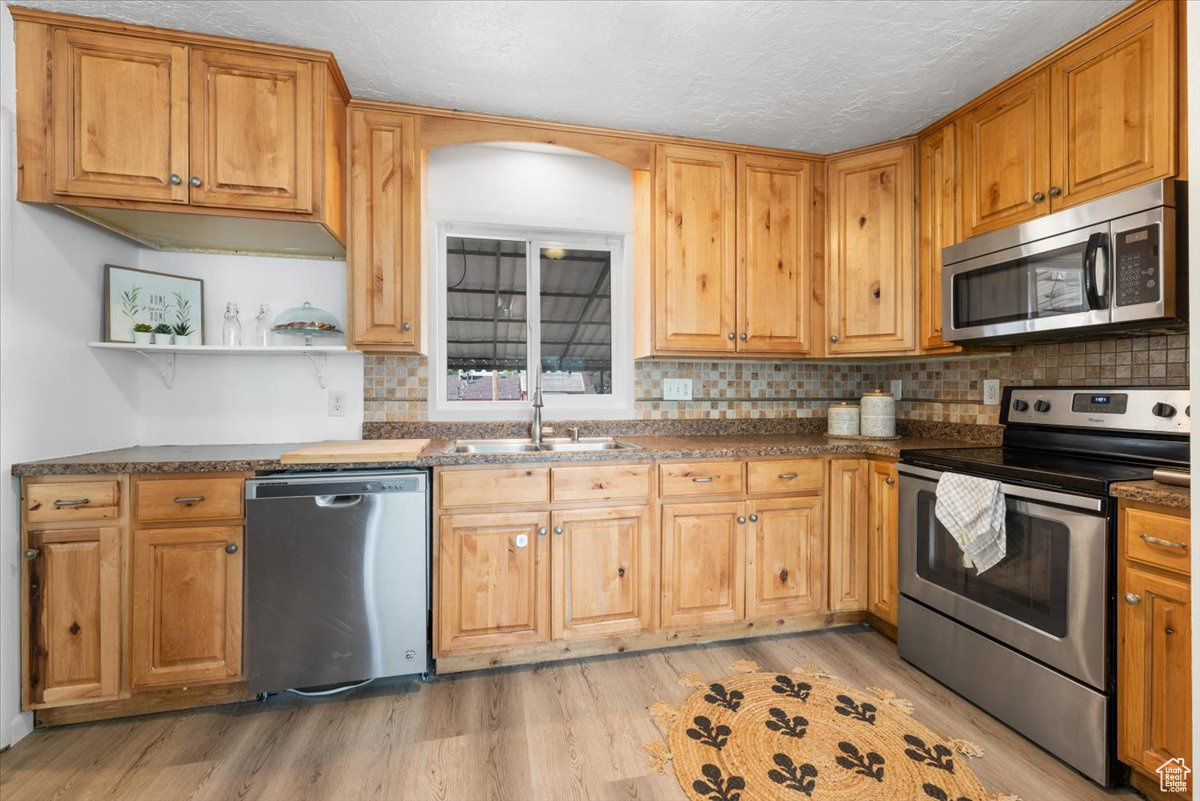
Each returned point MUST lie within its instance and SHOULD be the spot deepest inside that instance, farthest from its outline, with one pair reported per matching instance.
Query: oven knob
(1163, 410)
(1042, 406)
(1020, 405)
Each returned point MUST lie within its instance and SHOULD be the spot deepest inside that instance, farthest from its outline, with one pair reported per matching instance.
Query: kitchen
(604, 420)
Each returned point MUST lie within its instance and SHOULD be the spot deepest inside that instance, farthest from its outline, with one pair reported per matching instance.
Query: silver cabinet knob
(231, 548)
(741, 519)
(558, 530)
(1038, 197)
(194, 180)
(542, 531)
(175, 180)
(833, 338)
(732, 336)
(744, 336)
(406, 326)
(753, 518)
(889, 481)
(32, 553)
(1055, 191)
(1131, 598)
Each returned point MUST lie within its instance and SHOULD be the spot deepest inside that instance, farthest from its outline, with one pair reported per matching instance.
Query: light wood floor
(573, 730)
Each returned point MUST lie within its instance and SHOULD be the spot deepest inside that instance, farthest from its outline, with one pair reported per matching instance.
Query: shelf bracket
(165, 368)
(320, 364)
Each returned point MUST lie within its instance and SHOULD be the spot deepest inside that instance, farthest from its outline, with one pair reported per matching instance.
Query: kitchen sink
(548, 445)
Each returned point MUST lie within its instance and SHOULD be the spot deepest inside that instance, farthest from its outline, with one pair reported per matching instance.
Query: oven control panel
(1147, 409)
(1138, 273)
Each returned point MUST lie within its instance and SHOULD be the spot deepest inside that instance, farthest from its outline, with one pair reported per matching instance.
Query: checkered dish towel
(972, 510)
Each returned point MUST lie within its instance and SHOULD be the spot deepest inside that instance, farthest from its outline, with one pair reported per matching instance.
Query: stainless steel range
(1031, 640)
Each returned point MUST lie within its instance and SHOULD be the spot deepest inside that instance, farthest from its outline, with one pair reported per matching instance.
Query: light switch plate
(991, 392)
(677, 389)
(898, 389)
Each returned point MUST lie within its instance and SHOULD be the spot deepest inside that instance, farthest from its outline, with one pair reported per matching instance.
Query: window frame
(618, 404)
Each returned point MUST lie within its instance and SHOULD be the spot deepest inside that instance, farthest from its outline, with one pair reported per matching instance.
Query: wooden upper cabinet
(120, 117)
(1114, 109)
(73, 647)
(253, 118)
(384, 254)
(1005, 162)
(187, 605)
(937, 228)
(785, 570)
(703, 563)
(883, 552)
(695, 271)
(871, 292)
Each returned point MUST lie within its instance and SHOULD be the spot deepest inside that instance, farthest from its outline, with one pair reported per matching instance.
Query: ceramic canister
(843, 419)
(878, 414)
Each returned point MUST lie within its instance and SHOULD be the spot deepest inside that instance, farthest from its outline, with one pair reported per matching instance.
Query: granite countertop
(1152, 491)
(265, 458)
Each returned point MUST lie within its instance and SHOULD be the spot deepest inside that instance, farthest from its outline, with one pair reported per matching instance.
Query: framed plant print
(144, 300)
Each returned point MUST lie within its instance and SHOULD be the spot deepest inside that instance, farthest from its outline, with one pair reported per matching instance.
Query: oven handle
(1095, 295)
(1013, 491)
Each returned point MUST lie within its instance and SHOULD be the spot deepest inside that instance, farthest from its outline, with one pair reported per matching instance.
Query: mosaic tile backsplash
(936, 389)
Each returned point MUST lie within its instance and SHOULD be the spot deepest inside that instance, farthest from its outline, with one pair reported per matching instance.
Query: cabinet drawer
(700, 478)
(1157, 539)
(82, 500)
(509, 486)
(190, 499)
(785, 475)
(600, 483)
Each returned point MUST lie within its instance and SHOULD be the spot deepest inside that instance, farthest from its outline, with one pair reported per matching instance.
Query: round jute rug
(803, 734)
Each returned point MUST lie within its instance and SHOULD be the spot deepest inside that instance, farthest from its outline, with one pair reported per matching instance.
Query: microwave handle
(1096, 296)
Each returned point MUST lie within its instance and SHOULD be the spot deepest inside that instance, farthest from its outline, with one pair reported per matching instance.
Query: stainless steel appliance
(1031, 640)
(1114, 263)
(337, 578)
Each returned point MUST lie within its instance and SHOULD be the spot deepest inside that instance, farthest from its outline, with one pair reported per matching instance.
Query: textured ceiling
(820, 75)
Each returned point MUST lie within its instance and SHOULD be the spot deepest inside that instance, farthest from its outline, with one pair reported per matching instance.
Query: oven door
(1047, 598)
(1054, 283)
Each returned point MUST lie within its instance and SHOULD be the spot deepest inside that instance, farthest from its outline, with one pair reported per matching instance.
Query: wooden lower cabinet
(602, 572)
(848, 520)
(883, 514)
(73, 576)
(703, 563)
(785, 567)
(187, 605)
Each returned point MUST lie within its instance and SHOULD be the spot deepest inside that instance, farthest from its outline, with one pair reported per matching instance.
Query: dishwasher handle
(337, 501)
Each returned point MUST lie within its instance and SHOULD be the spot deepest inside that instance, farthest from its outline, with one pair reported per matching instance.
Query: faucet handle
(574, 432)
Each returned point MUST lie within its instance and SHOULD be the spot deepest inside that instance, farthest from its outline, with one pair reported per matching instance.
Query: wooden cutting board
(337, 451)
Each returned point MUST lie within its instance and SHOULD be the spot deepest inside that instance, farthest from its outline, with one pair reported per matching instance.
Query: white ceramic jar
(843, 420)
(878, 414)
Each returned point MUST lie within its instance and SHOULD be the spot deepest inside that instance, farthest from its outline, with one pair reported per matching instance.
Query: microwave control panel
(1137, 263)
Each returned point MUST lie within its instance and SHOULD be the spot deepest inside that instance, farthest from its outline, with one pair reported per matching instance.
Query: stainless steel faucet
(536, 430)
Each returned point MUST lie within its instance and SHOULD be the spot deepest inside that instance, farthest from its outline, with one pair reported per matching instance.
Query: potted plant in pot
(162, 334)
(184, 333)
(141, 333)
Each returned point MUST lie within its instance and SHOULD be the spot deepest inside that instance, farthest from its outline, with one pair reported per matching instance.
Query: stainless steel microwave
(1111, 264)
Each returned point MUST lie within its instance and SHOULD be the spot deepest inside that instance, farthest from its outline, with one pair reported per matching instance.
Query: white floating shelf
(163, 356)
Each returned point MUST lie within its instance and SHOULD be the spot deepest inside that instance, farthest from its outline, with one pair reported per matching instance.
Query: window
(516, 306)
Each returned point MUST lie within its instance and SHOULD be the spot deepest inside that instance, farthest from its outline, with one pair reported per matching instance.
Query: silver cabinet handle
(702, 480)
(175, 180)
(732, 336)
(789, 476)
(833, 338)
(558, 530)
(191, 499)
(1055, 191)
(753, 518)
(231, 548)
(1164, 543)
(1130, 598)
(32, 553)
(741, 519)
(194, 180)
(62, 503)
(889, 481)
(744, 336)
(1038, 197)
(542, 531)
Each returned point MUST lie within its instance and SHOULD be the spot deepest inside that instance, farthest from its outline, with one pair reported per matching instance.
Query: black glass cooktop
(1033, 467)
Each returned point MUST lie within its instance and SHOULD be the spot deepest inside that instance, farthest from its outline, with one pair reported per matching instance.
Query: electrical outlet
(677, 389)
(898, 389)
(337, 403)
(991, 392)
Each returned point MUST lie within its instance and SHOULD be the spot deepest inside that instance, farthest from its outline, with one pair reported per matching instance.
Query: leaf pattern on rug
(659, 753)
(730, 699)
(705, 732)
(789, 727)
(744, 666)
(801, 778)
(935, 792)
(848, 708)
(889, 698)
(796, 689)
(935, 755)
(869, 764)
(717, 788)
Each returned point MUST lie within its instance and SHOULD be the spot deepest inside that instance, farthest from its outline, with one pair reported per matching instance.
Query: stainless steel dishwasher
(337, 578)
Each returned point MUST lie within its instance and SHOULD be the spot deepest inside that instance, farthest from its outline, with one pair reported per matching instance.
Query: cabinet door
(882, 544)
(872, 308)
(1005, 160)
(74, 586)
(786, 566)
(384, 254)
(695, 267)
(493, 581)
(848, 511)
(253, 118)
(603, 576)
(703, 563)
(187, 605)
(937, 223)
(774, 255)
(1154, 669)
(1114, 119)
(120, 117)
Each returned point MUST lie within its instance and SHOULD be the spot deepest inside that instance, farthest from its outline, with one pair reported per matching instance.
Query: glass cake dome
(307, 321)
